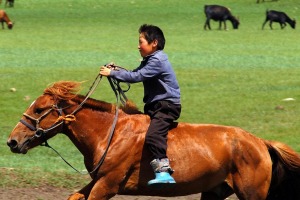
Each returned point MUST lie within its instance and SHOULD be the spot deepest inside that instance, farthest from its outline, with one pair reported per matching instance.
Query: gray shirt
(158, 77)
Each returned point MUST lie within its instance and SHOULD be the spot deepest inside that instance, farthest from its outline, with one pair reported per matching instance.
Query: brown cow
(4, 18)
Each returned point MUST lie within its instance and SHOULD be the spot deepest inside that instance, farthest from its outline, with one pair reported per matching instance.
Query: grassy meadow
(234, 77)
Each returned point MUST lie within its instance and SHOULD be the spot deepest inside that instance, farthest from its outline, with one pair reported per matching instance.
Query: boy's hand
(105, 71)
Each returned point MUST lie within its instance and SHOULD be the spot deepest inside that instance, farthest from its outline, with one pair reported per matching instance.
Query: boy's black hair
(152, 33)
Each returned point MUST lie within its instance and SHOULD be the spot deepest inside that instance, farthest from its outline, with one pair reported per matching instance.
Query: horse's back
(205, 157)
(219, 152)
(207, 140)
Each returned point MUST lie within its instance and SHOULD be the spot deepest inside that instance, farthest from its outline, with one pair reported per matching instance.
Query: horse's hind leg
(220, 192)
(252, 184)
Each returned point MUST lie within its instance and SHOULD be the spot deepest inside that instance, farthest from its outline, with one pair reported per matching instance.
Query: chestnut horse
(212, 159)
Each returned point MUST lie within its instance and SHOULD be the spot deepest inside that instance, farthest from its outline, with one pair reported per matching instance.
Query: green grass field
(233, 77)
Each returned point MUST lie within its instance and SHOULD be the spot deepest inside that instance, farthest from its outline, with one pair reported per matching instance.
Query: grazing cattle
(10, 3)
(5, 18)
(280, 17)
(221, 14)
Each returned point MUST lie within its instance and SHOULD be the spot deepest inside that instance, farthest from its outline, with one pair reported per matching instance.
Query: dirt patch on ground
(51, 193)
(42, 193)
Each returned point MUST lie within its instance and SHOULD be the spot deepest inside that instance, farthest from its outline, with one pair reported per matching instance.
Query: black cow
(280, 17)
(10, 3)
(221, 14)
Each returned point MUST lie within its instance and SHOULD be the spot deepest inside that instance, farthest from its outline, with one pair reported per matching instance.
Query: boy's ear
(154, 43)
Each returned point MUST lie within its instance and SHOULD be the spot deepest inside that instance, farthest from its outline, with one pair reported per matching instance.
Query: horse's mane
(63, 90)
(68, 90)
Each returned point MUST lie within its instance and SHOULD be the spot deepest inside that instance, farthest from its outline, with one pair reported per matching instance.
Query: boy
(161, 97)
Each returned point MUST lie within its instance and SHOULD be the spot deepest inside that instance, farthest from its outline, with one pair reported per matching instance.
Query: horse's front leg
(83, 193)
(106, 187)
(76, 196)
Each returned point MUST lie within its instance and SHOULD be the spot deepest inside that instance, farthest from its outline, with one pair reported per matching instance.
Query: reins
(120, 97)
(89, 93)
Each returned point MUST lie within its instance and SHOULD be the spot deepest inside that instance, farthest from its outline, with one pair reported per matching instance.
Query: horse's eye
(38, 111)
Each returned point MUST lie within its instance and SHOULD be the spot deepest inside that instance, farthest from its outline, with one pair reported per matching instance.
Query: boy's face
(146, 48)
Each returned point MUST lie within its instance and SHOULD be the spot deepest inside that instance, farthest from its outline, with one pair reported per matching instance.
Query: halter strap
(27, 124)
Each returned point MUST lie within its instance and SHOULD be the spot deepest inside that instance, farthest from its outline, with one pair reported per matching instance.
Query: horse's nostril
(12, 144)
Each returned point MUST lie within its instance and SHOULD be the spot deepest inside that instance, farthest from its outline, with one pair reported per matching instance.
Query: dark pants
(162, 114)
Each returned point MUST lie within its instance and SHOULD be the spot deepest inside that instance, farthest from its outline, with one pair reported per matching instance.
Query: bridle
(40, 132)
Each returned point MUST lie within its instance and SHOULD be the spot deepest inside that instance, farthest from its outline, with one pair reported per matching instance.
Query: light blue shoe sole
(162, 180)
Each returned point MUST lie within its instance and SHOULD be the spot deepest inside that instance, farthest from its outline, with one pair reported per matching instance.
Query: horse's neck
(91, 127)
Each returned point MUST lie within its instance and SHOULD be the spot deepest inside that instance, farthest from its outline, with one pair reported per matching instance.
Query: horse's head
(39, 123)
(43, 119)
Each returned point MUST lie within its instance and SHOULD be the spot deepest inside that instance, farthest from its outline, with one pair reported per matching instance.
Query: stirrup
(162, 180)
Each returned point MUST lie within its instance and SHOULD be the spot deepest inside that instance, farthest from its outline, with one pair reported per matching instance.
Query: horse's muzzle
(17, 148)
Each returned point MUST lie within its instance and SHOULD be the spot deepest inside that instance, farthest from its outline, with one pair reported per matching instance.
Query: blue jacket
(158, 77)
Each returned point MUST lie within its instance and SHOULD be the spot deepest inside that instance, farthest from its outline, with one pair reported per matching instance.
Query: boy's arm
(106, 69)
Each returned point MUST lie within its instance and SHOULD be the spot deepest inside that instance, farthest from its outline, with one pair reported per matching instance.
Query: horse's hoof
(76, 196)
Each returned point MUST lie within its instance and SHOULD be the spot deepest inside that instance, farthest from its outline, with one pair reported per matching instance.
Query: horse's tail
(285, 182)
